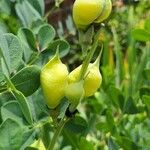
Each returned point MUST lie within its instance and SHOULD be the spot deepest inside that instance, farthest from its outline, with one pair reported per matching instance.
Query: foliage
(116, 117)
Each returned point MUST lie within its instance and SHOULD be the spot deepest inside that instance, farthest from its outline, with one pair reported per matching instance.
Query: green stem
(34, 59)
(57, 133)
(89, 56)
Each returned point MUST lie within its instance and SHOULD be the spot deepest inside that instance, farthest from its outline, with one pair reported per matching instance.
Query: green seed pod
(74, 91)
(86, 12)
(53, 81)
(92, 79)
(106, 11)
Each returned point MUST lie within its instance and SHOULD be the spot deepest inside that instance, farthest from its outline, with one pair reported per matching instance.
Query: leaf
(3, 28)
(38, 5)
(15, 51)
(130, 107)
(103, 127)
(63, 48)
(85, 145)
(24, 106)
(112, 145)
(141, 35)
(146, 74)
(77, 125)
(62, 108)
(70, 139)
(116, 96)
(27, 80)
(5, 96)
(11, 135)
(45, 36)
(27, 38)
(46, 128)
(126, 143)
(147, 25)
(146, 100)
(12, 110)
(1, 70)
(27, 13)
(110, 120)
(4, 55)
(38, 105)
(5, 7)
(28, 138)
(144, 91)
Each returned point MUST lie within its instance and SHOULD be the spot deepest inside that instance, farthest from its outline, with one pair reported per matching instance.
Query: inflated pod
(53, 81)
(74, 92)
(86, 12)
(92, 80)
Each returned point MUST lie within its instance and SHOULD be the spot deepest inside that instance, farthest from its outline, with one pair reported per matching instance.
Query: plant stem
(89, 56)
(57, 133)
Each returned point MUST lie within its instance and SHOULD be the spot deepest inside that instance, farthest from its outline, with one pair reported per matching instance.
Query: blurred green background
(118, 115)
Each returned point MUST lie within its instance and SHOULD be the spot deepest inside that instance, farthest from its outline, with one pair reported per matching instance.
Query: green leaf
(15, 50)
(27, 13)
(147, 25)
(130, 107)
(36, 25)
(3, 28)
(31, 148)
(27, 80)
(146, 100)
(77, 125)
(110, 120)
(112, 145)
(4, 55)
(5, 7)
(12, 110)
(24, 106)
(116, 96)
(144, 91)
(1, 70)
(5, 96)
(103, 127)
(70, 139)
(141, 35)
(46, 136)
(64, 48)
(45, 36)
(146, 74)
(27, 38)
(11, 135)
(38, 105)
(38, 5)
(62, 108)
(126, 143)
(85, 145)
(28, 138)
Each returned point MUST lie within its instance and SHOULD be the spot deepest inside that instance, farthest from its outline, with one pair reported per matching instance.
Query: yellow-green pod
(93, 78)
(107, 7)
(74, 91)
(86, 12)
(53, 81)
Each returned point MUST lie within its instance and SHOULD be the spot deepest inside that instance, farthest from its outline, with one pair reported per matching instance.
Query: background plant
(117, 116)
